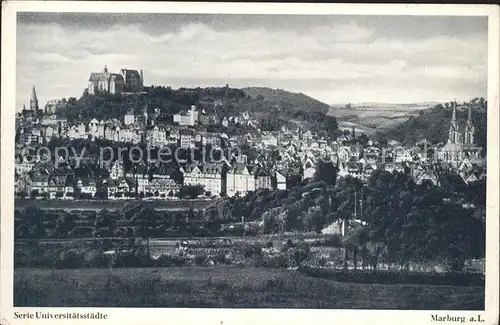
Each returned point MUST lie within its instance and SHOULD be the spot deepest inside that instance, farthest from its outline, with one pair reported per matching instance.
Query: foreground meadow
(226, 287)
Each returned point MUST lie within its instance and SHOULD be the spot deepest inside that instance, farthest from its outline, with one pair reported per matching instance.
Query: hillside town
(267, 159)
(178, 160)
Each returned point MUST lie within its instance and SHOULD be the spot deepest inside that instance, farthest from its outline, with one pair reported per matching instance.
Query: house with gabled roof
(426, 175)
(239, 180)
(262, 178)
(22, 182)
(281, 179)
(87, 186)
(110, 187)
(23, 164)
(465, 165)
(211, 176)
(40, 183)
(163, 187)
(309, 167)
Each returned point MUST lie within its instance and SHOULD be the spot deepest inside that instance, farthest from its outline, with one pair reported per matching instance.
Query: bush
(397, 277)
(331, 241)
(131, 259)
(278, 261)
(70, 259)
(96, 259)
(199, 259)
(172, 260)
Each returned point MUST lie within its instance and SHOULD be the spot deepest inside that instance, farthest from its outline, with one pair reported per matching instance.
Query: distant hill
(434, 124)
(296, 100)
(386, 105)
(375, 117)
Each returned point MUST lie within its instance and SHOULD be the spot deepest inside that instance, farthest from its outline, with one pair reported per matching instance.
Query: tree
(191, 191)
(300, 253)
(34, 193)
(105, 221)
(77, 193)
(32, 218)
(315, 219)
(326, 171)
(64, 224)
(101, 194)
(363, 139)
(143, 221)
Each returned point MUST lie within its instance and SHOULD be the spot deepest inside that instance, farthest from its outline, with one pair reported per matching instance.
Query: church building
(34, 110)
(459, 146)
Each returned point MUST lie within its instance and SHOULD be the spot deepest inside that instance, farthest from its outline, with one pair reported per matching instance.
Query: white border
(135, 316)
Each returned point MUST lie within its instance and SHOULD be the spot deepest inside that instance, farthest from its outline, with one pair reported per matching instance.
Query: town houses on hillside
(271, 160)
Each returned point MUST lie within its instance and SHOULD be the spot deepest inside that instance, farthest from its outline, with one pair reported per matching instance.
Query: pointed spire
(454, 116)
(33, 94)
(33, 100)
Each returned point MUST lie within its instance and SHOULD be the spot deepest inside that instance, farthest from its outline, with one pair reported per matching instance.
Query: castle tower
(105, 70)
(33, 100)
(454, 136)
(142, 78)
(469, 129)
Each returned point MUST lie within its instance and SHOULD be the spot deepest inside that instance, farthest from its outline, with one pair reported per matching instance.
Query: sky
(333, 58)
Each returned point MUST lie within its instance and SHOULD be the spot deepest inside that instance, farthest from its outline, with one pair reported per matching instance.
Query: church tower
(454, 136)
(33, 100)
(469, 129)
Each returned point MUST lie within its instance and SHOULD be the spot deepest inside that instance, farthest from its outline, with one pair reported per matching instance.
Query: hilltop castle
(459, 146)
(127, 81)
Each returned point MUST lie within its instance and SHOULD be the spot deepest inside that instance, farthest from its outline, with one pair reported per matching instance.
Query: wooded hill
(272, 108)
(434, 124)
(287, 99)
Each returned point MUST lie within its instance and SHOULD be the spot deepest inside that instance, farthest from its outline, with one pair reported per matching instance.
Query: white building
(210, 176)
(188, 118)
(96, 129)
(129, 118)
(240, 180)
(117, 170)
(23, 165)
(269, 140)
(281, 180)
(157, 137)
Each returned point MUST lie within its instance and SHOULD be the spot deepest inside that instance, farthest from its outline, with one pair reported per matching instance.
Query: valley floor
(226, 287)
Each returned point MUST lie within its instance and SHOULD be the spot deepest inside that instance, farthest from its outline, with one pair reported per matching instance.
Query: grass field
(226, 287)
